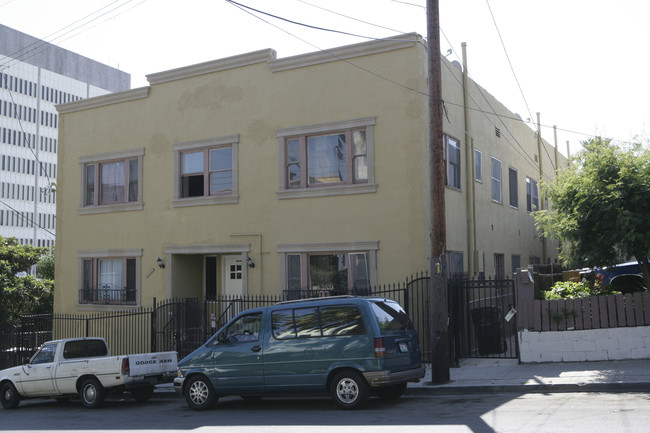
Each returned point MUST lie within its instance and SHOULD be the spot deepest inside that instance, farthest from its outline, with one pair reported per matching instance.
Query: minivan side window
(316, 322)
(245, 329)
(341, 321)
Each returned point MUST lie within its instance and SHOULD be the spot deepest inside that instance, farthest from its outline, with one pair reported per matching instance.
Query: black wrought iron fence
(182, 325)
(480, 326)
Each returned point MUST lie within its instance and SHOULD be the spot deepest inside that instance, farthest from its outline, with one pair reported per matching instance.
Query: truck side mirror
(26, 360)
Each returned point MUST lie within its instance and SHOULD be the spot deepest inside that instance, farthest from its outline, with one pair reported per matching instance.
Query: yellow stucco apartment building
(256, 175)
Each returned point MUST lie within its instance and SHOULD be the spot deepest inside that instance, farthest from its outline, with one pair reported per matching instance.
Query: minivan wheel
(349, 390)
(9, 396)
(199, 393)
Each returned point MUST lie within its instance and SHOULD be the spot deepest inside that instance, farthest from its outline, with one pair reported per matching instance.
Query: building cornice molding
(265, 55)
(347, 52)
(100, 101)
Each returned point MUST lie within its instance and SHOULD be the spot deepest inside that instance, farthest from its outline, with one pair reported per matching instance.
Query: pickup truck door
(237, 357)
(37, 377)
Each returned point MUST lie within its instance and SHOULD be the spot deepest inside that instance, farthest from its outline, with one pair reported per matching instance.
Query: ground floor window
(319, 272)
(111, 279)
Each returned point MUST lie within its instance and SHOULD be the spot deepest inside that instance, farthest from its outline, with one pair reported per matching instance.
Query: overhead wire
(516, 79)
(23, 54)
(493, 111)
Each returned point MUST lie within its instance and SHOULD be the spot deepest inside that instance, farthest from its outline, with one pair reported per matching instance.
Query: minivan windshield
(391, 316)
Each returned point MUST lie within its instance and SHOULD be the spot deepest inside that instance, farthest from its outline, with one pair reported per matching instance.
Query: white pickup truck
(84, 367)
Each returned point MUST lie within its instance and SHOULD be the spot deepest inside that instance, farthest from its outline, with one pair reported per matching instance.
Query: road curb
(538, 388)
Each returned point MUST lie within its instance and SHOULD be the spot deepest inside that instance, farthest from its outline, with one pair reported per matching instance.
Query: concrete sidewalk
(507, 375)
(476, 376)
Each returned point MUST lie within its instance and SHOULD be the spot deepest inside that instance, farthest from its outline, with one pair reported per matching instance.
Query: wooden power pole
(439, 308)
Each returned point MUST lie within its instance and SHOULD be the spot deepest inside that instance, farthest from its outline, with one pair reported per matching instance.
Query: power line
(242, 6)
(516, 79)
(22, 54)
(27, 219)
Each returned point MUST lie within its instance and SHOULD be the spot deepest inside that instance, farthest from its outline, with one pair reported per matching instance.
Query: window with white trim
(206, 171)
(111, 182)
(497, 190)
(327, 159)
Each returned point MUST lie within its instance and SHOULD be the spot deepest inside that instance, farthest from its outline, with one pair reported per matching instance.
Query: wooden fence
(597, 312)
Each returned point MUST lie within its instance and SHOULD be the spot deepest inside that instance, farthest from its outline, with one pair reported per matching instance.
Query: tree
(600, 206)
(45, 265)
(21, 293)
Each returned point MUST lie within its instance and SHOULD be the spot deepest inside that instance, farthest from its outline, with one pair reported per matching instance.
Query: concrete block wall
(585, 345)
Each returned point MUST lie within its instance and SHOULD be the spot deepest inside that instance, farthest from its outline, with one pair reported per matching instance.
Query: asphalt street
(415, 412)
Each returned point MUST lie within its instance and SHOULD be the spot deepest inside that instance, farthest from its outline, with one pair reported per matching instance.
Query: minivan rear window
(391, 316)
(316, 322)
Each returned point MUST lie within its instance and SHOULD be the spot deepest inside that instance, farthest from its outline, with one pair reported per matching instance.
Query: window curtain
(113, 178)
(110, 282)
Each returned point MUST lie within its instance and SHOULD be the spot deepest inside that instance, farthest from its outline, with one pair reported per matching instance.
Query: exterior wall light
(249, 262)
(161, 264)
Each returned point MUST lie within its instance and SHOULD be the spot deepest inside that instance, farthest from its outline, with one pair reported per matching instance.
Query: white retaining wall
(586, 345)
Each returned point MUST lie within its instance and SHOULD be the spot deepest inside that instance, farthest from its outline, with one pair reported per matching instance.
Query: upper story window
(532, 197)
(327, 159)
(206, 171)
(111, 182)
(513, 187)
(478, 166)
(452, 153)
(497, 190)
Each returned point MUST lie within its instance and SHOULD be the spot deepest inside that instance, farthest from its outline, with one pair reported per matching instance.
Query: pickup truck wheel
(199, 393)
(142, 394)
(349, 390)
(92, 393)
(9, 395)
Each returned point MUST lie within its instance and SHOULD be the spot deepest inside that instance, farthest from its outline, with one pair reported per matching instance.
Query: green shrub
(582, 289)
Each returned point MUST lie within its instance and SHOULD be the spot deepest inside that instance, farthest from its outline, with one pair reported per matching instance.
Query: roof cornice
(265, 55)
(346, 52)
(100, 101)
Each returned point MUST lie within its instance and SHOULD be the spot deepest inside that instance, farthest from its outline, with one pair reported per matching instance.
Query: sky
(582, 64)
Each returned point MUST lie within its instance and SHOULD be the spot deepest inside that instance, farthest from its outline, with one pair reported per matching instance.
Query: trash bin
(487, 329)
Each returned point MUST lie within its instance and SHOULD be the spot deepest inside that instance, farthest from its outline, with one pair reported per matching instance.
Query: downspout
(472, 260)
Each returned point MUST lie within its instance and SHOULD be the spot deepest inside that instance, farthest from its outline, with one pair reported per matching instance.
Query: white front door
(232, 275)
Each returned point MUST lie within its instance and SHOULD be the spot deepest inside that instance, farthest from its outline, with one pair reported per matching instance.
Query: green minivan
(351, 347)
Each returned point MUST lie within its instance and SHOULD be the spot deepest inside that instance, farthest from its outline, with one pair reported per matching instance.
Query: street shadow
(172, 413)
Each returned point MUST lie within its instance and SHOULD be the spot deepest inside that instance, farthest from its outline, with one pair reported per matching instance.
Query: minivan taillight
(380, 348)
(125, 367)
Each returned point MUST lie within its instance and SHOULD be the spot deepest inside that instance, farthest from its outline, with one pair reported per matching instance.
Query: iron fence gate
(481, 325)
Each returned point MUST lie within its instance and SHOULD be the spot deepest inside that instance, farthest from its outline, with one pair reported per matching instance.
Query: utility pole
(440, 313)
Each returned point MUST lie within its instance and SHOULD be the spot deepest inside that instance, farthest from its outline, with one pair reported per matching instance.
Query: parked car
(348, 346)
(84, 367)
